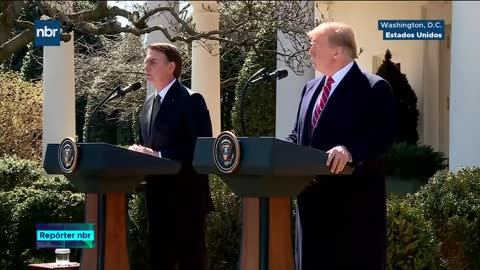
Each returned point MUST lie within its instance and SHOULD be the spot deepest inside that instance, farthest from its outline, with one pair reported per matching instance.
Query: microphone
(117, 92)
(122, 92)
(277, 74)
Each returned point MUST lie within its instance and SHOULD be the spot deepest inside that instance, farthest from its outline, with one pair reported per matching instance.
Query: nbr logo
(47, 33)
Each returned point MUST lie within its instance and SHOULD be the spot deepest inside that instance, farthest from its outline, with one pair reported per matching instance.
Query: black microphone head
(282, 73)
(136, 86)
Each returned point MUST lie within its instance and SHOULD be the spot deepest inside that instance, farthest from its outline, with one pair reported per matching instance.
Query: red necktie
(323, 100)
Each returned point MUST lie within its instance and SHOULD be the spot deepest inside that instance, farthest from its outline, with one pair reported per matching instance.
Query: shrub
(15, 172)
(53, 183)
(27, 198)
(411, 240)
(137, 231)
(406, 160)
(260, 100)
(406, 99)
(452, 202)
(20, 117)
(26, 208)
(223, 227)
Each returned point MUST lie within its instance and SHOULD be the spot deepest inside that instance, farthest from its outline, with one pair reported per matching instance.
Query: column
(206, 63)
(464, 92)
(58, 93)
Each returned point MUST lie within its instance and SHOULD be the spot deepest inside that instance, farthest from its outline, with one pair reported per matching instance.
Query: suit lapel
(343, 86)
(165, 106)
(147, 115)
(306, 110)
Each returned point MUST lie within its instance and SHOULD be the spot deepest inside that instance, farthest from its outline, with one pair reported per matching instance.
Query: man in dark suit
(341, 221)
(177, 205)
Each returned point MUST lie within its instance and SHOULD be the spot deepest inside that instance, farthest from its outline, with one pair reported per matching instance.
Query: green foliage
(223, 227)
(137, 231)
(53, 183)
(407, 112)
(411, 239)
(230, 67)
(32, 68)
(413, 161)
(16, 172)
(260, 102)
(106, 127)
(436, 228)
(42, 206)
(24, 207)
(452, 202)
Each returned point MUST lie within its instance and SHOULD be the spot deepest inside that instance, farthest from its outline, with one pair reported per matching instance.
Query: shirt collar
(164, 91)
(338, 76)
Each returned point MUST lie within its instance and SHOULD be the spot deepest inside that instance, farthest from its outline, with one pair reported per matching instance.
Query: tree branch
(229, 82)
(115, 28)
(25, 24)
(11, 11)
(19, 41)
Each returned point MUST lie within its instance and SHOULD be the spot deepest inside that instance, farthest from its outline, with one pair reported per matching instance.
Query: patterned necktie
(156, 107)
(323, 101)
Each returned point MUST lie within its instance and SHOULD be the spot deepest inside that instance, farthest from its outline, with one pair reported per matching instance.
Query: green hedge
(22, 208)
(452, 202)
(411, 239)
(436, 228)
(15, 172)
(407, 161)
(223, 231)
(260, 101)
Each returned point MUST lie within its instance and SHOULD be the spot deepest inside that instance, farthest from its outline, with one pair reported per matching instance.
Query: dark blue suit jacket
(343, 217)
(183, 117)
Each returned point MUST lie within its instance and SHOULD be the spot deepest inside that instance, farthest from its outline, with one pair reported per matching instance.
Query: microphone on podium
(277, 74)
(122, 92)
(117, 92)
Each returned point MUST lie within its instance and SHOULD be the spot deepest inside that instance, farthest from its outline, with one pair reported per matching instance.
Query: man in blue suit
(176, 205)
(341, 221)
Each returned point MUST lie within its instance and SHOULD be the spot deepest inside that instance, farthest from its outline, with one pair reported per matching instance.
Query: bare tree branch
(246, 24)
(229, 82)
(25, 24)
(10, 11)
(19, 41)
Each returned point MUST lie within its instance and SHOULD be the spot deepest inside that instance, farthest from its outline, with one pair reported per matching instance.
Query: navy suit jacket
(182, 118)
(345, 215)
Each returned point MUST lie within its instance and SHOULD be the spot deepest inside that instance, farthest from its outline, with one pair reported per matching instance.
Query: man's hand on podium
(338, 158)
(145, 150)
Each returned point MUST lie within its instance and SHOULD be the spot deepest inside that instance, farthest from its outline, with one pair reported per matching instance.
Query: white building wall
(289, 90)
(464, 90)
(363, 16)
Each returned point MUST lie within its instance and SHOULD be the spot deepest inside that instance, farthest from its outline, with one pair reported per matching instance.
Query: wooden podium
(269, 172)
(105, 173)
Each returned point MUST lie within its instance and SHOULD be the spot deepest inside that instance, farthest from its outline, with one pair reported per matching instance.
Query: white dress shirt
(337, 78)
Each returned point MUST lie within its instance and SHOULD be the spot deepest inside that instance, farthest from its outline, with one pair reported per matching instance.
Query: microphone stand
(87, 135)
(102, 198)
(242, 99)
(264, 201)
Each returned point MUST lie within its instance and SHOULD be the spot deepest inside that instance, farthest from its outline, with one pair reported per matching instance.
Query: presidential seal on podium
(226, 152)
